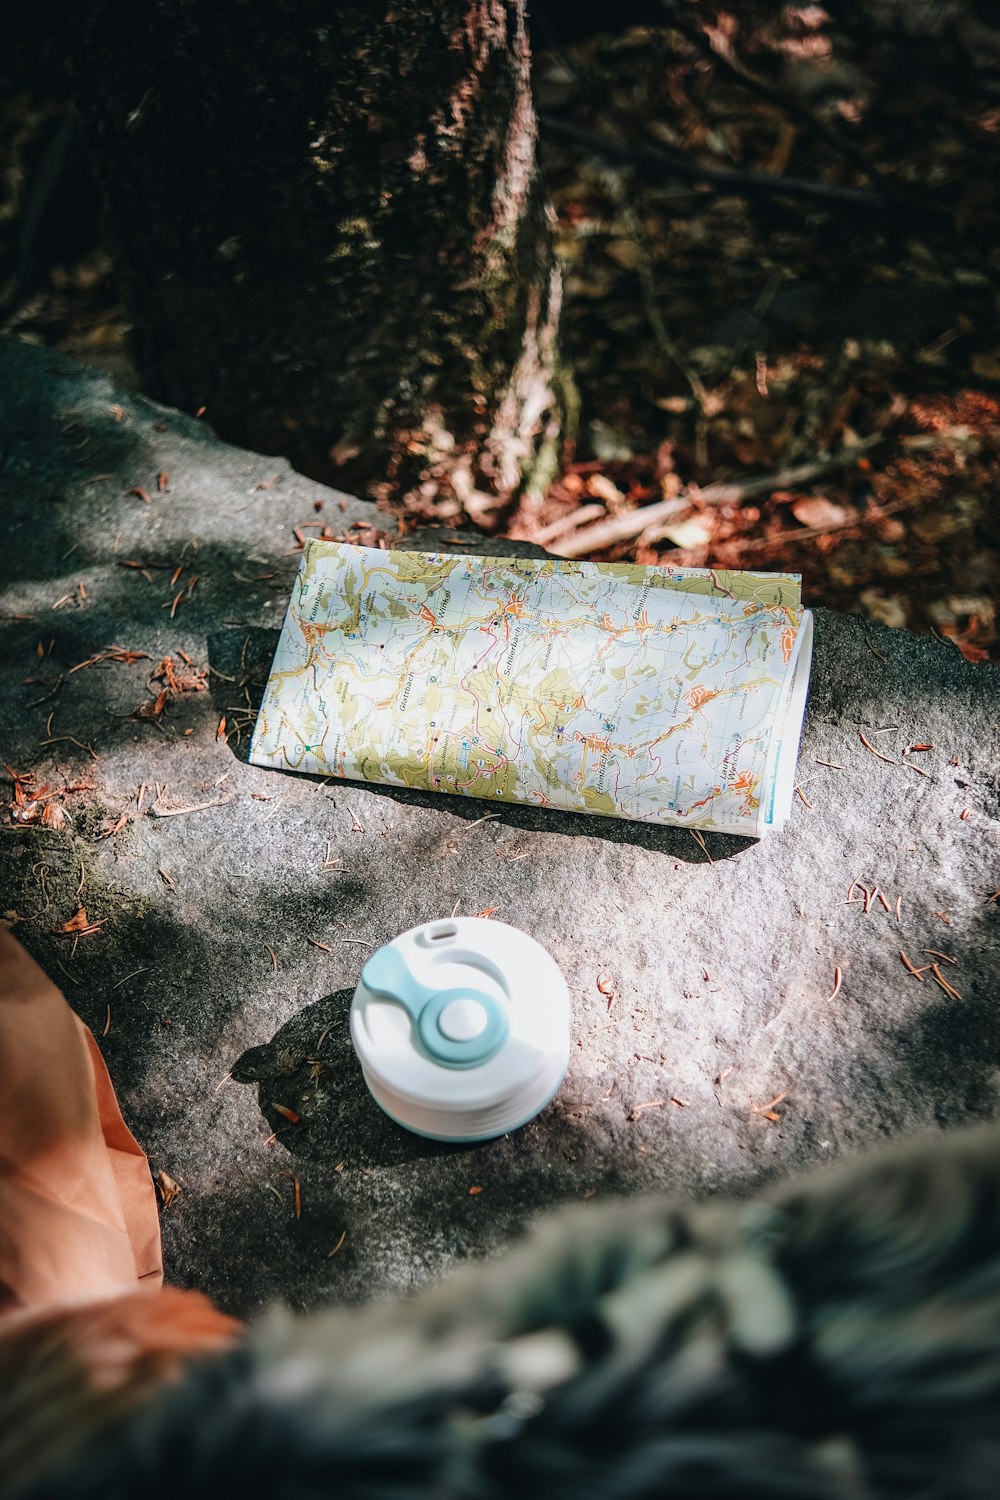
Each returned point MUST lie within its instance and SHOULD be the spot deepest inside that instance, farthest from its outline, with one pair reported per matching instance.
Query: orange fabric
(87, 1329)
(78, 1213)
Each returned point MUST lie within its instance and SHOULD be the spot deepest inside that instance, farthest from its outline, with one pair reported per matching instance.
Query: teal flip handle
(388, 974)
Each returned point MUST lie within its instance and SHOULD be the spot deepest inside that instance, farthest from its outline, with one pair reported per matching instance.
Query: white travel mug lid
(461, 1028)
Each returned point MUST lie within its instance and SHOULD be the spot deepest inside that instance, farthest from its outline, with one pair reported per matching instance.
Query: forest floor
(837, 341)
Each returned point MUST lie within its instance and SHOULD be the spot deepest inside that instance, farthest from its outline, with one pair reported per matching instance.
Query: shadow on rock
(309, 1070)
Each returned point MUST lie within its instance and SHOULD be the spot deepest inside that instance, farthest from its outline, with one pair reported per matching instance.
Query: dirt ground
(718, 331)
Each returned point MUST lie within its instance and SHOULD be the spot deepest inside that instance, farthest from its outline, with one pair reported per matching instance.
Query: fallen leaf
(155, 709)
(178, 680)
(603, 488)
(692, 533)
(816, 511)
(79, 924)
(109, 828)
(167, 1187)
(970, 651)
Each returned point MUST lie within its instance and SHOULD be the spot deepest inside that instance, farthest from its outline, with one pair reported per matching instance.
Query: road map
(664, 695)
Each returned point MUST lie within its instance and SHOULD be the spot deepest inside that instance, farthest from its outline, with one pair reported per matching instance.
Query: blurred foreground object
(838, 1337)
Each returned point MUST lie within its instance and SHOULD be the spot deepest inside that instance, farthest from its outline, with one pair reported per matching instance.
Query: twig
(949, 989)
(699, 839)
(175, 812)
(60, 739)
(869, 746)
(555, 529)
(637, 1109)
(622, 528)
(636, 229)
(917, 973)
(806, 533)
(46, 696)
(716, 47)
(908, 764)
(739, 184)
(127, 978)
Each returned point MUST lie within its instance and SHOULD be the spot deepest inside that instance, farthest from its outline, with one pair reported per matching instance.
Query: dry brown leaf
(112, 826)
(179, 680)
(816, 511)
(79, 924)
(155, 709)
(690, 533)
(167, 1187)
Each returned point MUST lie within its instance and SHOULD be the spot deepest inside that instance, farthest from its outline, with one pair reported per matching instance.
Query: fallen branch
(570, 522)
(714, 44)
(622, 528)
(740, 184)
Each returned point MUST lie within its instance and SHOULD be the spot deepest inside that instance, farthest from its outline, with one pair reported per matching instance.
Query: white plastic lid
(462, 1028)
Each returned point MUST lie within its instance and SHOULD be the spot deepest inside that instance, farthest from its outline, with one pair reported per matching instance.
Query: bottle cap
(462, 1028)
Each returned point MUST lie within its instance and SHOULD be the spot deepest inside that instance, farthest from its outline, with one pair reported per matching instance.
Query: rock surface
(735, 1015)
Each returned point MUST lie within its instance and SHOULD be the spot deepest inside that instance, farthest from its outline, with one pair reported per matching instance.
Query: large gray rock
(721, 966)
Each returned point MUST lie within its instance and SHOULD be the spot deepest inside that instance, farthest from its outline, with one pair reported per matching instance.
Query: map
(658, 694)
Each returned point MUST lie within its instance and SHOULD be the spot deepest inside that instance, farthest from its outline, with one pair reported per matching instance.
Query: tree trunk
(333, 234)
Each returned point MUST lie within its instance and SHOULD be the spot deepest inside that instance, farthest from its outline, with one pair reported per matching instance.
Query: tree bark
(332, 232)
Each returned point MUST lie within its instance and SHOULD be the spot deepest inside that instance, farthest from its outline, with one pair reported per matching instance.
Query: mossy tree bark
(332, 232)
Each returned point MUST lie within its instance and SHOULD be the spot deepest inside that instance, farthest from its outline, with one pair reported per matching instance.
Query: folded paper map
(662, 694)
